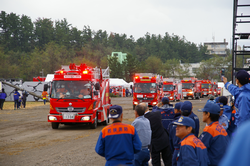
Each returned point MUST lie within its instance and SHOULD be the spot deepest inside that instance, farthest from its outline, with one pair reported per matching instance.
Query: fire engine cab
(172, 89)
(191, 87)
(147, 88)
(206, 87)
(79, 94)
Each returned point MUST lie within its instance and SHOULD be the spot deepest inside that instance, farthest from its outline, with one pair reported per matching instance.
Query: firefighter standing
(45, 96)
(118, 142)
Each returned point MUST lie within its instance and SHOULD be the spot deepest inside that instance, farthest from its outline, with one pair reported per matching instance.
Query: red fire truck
(191, 87)
(206, 87)
(172, 89)
(147, 88)
(79, 94)
(215, 89)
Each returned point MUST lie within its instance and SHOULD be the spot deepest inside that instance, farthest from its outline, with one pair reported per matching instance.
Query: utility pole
(41, 72)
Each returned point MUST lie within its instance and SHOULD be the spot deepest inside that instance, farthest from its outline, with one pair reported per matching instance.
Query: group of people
(20, 99)
(172, 133)
(122, 92)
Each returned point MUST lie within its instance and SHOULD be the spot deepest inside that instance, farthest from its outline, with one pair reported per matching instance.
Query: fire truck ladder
(240, 21)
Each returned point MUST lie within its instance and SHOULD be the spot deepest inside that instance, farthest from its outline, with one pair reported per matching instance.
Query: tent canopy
(118, 82)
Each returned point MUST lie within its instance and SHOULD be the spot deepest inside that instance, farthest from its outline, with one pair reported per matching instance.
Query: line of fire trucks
(80, 94)
(151, 88)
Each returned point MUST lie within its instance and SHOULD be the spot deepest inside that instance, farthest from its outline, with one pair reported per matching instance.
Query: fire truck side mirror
(95, 93)
(97, 86)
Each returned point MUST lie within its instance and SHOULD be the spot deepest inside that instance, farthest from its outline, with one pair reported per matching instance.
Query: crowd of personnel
(169, 134)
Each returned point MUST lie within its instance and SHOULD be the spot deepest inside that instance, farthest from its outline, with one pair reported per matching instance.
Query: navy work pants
(142, 158)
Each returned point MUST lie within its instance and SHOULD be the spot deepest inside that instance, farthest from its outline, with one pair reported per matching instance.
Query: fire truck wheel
(94, 125)
(54, 125)
(133, 107)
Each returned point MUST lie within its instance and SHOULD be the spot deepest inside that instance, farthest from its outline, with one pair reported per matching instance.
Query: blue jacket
(167, 114)
(197, 123)
(227, 110)
(223, 120)
(16, 95)
(118, 142)
(3, 95)
(192, 152)
(239, 149)
(216, 139)
(242, 101)
(231, 126)
(174, 140)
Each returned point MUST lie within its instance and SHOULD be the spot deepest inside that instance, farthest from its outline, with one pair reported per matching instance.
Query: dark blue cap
(186, 107)
(165, 100)
(242, 76)
(211, 107)
(115, 111)
(178, 105)
(185, 121)
(223, 100)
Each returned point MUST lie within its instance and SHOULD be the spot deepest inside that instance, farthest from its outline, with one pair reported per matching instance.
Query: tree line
(27, 47)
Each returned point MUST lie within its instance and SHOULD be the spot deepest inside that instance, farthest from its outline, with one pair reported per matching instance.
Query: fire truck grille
(60, 109)
(185, 94)
(145, 98)
(166, 95)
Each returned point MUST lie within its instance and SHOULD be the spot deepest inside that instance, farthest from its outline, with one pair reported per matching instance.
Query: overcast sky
(198, 20)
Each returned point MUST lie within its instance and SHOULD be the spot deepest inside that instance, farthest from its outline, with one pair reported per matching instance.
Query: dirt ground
(28, 139)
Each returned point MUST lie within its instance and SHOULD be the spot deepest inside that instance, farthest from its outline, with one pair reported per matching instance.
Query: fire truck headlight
(171, 97)
(136, 103)
(52, 118)
(191, 92)
(85, 118)
(210, 91)
(154, 103)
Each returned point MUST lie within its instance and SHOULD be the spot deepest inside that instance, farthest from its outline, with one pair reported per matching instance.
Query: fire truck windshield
(187, 85)
(145, 87)
(71, 89)
(168, 88)
(205, 86)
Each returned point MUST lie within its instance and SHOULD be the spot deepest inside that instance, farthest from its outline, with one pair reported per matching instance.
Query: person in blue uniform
(239, 149)
(3, 96)
(229, 112)
(192, 150)
(214, 136)
(16, 96)
(142, 126)
(186, 110)
(167, 112)
(173, 139)
(118, 142)
(223, 120)
(241, 94)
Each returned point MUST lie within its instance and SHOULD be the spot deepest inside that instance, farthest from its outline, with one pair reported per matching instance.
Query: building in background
(218, 48)
(121, 56)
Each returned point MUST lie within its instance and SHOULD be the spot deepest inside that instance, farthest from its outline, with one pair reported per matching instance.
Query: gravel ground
(28, 139)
